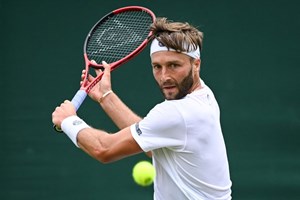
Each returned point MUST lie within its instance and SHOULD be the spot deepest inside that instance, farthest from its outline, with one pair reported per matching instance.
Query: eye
(156, 67)
(173, 65)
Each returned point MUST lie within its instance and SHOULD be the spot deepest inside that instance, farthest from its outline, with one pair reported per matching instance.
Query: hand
(104, 84)
(66, 109)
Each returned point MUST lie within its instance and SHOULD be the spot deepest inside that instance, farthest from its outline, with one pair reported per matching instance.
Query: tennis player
(183, 133)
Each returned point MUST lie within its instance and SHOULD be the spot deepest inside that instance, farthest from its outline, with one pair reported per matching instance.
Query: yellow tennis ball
(143, 173)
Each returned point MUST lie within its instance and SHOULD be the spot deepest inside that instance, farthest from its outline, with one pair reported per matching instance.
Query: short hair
(180, 36)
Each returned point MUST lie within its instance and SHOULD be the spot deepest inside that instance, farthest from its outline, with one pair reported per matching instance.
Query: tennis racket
(116, 38)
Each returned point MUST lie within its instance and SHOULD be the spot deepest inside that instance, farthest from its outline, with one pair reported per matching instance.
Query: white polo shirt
(188, 148)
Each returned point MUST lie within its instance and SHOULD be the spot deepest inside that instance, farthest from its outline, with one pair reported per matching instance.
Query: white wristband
(71, 127)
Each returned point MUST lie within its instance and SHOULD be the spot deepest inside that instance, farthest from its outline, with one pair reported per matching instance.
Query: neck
(196, 86)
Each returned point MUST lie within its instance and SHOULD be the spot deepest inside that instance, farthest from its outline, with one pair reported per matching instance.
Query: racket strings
(118, 36)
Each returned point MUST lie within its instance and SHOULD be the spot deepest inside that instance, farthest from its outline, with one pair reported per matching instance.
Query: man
(183, 133)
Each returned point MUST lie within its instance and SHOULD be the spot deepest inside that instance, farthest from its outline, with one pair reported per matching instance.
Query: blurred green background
(250, 59)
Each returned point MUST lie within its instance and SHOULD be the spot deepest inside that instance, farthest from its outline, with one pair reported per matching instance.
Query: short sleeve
(162, 127)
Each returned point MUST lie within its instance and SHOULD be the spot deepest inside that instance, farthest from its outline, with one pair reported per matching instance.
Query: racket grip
(76, 101)
(79, 98)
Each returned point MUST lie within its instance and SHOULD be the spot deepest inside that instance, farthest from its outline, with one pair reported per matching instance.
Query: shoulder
(166, 113)
(168, 107)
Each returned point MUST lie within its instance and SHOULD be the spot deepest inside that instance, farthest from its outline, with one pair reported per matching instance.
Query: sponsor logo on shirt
(137, 128)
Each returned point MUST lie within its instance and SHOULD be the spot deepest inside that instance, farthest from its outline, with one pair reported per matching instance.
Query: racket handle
(76, 101)
(79, 98)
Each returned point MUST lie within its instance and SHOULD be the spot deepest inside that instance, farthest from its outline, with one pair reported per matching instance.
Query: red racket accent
(116, 38)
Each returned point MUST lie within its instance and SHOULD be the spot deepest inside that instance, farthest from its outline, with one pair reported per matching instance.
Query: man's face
(175, 73)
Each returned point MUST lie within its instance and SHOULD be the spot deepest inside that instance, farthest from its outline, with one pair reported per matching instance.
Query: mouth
(169, 88)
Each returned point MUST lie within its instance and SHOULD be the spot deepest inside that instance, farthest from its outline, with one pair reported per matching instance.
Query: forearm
(106, 147)
(92, 142)
(120, 114)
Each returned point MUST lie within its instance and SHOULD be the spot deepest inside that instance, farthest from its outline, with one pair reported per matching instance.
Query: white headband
(158, 46)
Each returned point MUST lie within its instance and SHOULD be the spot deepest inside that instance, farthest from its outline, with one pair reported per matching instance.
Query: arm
(106, 147)
(99, 144)
(112, 105)
(120, 114)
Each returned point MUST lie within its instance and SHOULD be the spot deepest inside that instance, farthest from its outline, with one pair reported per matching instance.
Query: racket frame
(86, 87)
(114, 65)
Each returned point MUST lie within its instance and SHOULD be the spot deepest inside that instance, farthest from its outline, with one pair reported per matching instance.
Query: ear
(197, 63)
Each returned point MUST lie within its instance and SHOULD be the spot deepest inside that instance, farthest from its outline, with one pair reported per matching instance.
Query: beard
(183, 87)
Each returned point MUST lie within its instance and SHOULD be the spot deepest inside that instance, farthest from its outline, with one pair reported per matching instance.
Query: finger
(107, 69)
(98, 71)
(63, 104)
(106, 66)
(89, 78)
(67, 104)
(83, 74)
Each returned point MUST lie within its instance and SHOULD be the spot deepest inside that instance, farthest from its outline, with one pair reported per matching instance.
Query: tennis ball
(143, 173)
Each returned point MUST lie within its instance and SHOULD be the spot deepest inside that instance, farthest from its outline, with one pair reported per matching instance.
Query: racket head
(118, 36)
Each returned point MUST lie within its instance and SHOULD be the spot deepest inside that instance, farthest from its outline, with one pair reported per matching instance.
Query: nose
(165, 74)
